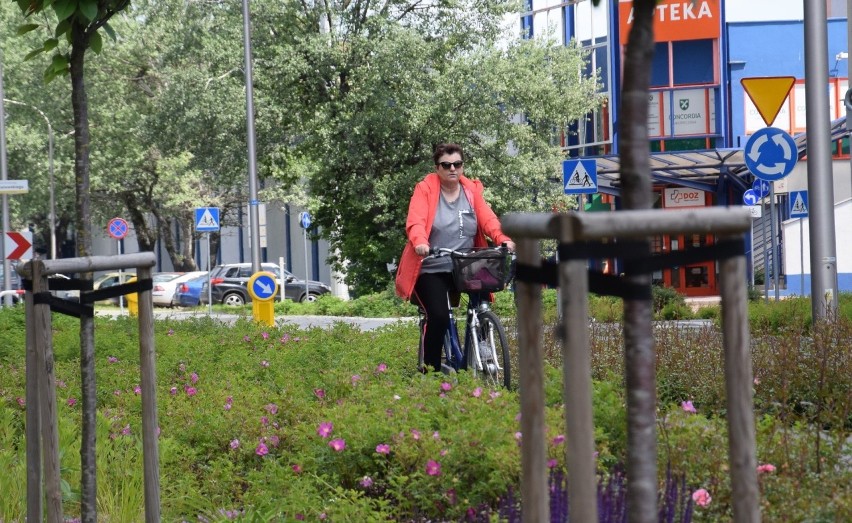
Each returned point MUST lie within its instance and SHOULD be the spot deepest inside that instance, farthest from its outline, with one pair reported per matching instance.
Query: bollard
(133, 301)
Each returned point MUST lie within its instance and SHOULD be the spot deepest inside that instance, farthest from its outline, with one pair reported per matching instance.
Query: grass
(227, 393)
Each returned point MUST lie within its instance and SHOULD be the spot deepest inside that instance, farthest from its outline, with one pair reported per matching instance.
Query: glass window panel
(692, 62)
(660, 66)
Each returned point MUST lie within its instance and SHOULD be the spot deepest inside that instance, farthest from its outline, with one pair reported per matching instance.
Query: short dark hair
(446, 148)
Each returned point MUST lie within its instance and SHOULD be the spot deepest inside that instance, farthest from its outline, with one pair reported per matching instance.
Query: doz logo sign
(683, 197)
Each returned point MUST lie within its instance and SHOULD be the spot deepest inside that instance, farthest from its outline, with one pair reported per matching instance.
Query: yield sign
(18, 245)
(768, 94)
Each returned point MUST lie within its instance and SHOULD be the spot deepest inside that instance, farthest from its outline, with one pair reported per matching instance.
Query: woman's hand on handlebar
(422, 249)
(509, 245)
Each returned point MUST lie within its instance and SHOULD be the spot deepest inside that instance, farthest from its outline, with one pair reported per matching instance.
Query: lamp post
(52, 217)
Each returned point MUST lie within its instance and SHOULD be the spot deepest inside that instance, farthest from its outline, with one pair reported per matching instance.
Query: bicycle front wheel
(496, 367)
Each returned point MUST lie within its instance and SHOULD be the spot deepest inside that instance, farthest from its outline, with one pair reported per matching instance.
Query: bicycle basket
(481, 271)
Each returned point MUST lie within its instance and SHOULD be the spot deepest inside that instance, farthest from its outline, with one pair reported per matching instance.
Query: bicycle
(485, 353)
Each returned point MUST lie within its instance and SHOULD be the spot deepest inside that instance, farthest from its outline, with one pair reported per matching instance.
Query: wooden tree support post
(574, 228)
(42, 432)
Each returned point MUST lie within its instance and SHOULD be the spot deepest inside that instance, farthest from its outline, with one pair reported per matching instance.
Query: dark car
(228, 283)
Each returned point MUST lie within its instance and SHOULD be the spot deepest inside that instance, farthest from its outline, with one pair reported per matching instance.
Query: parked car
(188, 293)
(228, 284)
(166, 283)
(110, 279)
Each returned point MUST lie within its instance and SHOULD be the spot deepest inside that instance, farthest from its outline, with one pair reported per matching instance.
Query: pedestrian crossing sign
(207, 219)
(580, 176)
(798, 204)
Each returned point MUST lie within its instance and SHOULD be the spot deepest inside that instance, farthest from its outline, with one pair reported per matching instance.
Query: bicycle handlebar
(439, 252)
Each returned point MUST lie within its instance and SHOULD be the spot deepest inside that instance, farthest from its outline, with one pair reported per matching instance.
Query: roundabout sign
(771, 154)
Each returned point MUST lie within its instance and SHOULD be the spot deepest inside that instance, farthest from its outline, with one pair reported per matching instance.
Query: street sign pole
(765, 261)
(802, 257)
(307, 271)
(820, 178)
(209, 285)
(774, 240)
(4, 199)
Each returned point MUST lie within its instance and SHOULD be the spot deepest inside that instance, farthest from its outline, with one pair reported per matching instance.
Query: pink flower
(190, 391)
(235, 444)
(355, 378)
(137, 390)
(446, 386)
(182, 367)
(433, 468)
(61, 384)
(193, 378)
(494, 394)
(443, 452)
(366, 482)
(518, 435)
(262, 449)
(551, 463)
(297, 468)
(264, 335)
(173, 391)
(436, 435)
(415, 434)
(382, 367)
(264, 420)
(766, 468)
(477, 392)
(560, 438)
(688, 407)
(72, 402)
(274, 440)
(757, 381)
(319, 393)
(227, 406)
(246, 338)
(701, 497)
(285, 338)
(272, 409)
(337, 444)
(117, 392)
(264, 364)
(112, 359)
(126, 430)
(325, 429)
(383, 448)
(21, 401)
(171, 332)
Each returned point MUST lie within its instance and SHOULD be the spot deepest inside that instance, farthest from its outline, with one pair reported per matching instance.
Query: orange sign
(768, 94)
(676, 20)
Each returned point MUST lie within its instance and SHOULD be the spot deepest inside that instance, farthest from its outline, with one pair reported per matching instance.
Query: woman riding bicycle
(447, 210)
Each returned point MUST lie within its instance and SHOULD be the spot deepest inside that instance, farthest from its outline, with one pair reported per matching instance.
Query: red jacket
(418, 226)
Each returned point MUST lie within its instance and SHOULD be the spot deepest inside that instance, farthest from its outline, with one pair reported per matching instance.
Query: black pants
(430, 293)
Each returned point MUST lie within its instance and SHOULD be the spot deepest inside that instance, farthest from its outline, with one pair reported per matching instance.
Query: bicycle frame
(453, 345)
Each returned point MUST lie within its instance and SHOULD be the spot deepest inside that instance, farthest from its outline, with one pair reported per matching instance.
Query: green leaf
(64, 9)
(96, 43)
(50, 44)
(109, 31)
(59, 63)
(32, 54)
(89, 9)
(26, 28)
(49, 75)
(62, 27)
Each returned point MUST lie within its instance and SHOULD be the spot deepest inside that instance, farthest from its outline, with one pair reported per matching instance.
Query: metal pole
(773, 241)
(820, 176)
(52, 188)
(751, 248)
(307, 272)
(765, 260)
(209, 285)
(802, 257)
(254, 213)
(4, 198)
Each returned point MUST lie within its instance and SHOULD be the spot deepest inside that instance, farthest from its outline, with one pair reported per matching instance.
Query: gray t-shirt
(454, 228)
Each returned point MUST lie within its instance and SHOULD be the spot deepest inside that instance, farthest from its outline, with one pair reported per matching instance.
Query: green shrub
(661, 297)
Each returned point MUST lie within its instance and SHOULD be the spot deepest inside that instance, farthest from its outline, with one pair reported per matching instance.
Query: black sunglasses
(446, 165)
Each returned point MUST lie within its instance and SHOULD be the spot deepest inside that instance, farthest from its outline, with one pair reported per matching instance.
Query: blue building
(700, 116)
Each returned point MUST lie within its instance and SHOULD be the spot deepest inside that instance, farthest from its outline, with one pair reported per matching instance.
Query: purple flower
(264, 335)
(171, 332)
(272, 408)
(246, 338)
(126, 430)
(415, 434)
(477, 392)
(137, 390)
(382, 367)
(182, 367)
(446, 386)
(687, 406)
(383, 448)
(319, 393)
(264, 364)
(337, 444)
(72, 402)
(356, 378)
(193, 378)
(560, 438)
(433, 468)
(551, 463)
(112, 359)
(235, 444)
(190, 391)
(274, 440)
(264, 420)
(173, 391)
(366, 482)
(297, 468)
(262, 449)
(325, 429)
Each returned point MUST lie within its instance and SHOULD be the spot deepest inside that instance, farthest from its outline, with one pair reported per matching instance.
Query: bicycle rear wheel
(495, 369)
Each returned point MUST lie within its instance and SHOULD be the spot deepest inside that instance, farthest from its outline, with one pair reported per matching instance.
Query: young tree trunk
(80, 105)
(638, 341)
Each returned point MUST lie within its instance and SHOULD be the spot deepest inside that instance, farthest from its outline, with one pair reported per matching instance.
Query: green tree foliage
(356, 95)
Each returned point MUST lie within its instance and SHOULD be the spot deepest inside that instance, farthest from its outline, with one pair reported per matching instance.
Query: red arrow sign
(20, 247)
